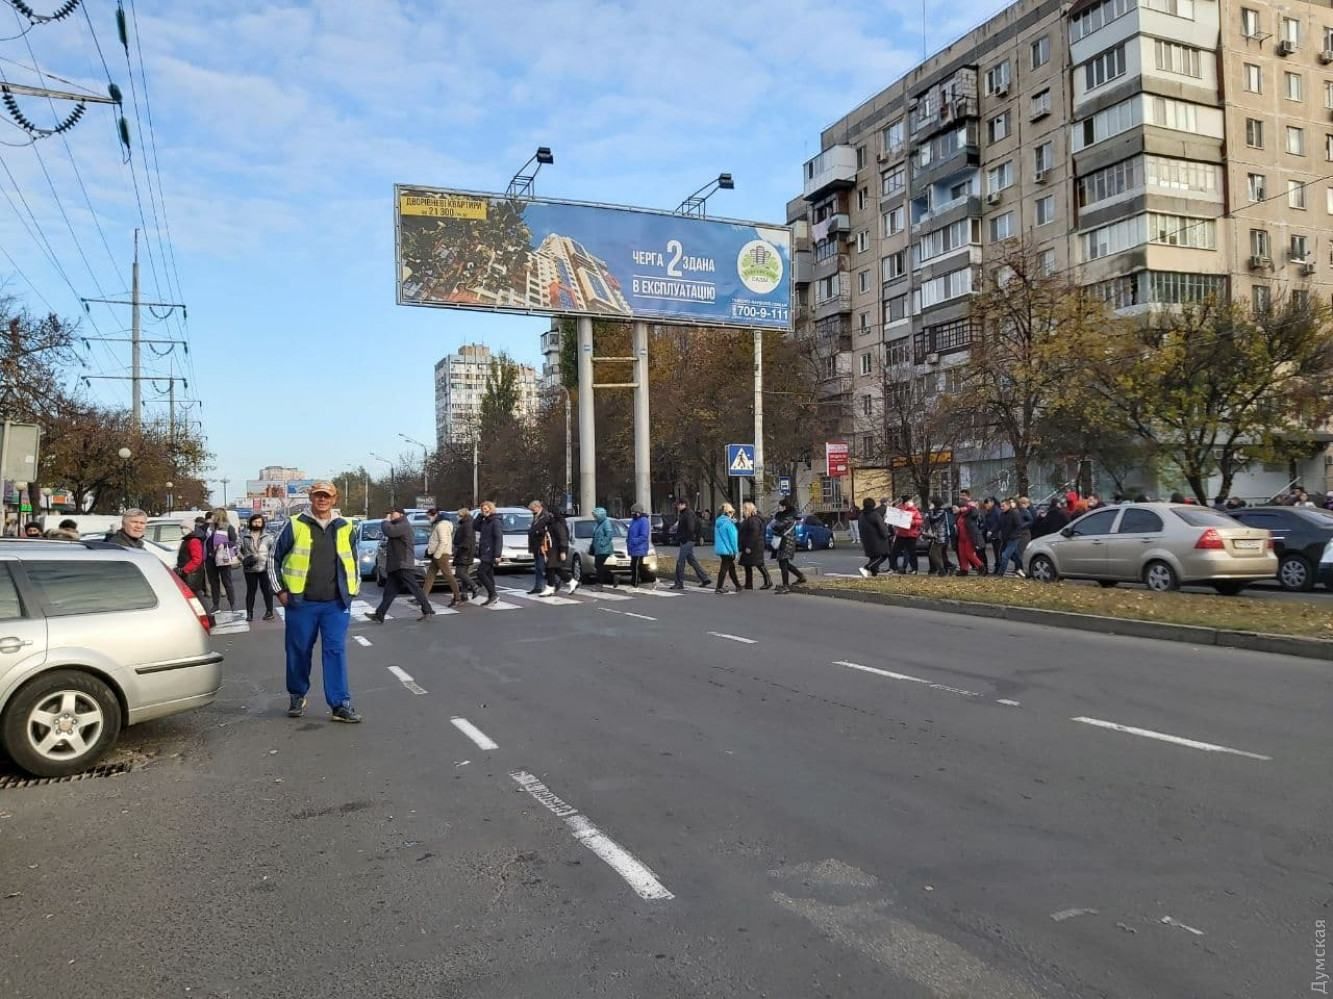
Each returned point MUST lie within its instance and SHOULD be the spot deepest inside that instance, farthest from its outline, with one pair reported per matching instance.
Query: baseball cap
(324, 486)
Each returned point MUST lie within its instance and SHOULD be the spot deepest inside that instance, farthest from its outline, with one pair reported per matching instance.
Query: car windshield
(1200, 517)
(516, 523)
(1322, 517)
(421, 533)
(371, 531)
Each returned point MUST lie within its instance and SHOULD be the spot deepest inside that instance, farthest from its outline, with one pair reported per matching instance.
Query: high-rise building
(550, 380)
(460, 384)
(1160, 150)
(280, 473)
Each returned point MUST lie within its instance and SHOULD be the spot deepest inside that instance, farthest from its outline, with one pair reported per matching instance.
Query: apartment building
(1160, 150)
(460, 384)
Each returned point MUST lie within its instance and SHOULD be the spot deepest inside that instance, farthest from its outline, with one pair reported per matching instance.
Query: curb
(1287, 645)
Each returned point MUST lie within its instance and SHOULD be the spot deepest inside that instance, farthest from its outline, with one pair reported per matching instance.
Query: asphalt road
(697, 796)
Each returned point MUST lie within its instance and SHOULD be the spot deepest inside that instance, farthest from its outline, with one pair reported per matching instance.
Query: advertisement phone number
(777, 313)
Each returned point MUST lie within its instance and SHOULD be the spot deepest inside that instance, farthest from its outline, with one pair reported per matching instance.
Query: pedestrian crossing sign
(740, 461)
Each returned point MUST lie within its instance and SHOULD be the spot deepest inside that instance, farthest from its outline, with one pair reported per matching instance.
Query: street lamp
(697, 203)
(425, 462)
(393, 495)
(171, 499)
(521, 185)
(125, 455)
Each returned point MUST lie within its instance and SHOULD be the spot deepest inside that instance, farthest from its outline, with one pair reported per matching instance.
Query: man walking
(490, 544)
(687, 533)
(315, 576)
(538, 544)
(133, 524)
(465, 553)
(401, 571)
(440, 550)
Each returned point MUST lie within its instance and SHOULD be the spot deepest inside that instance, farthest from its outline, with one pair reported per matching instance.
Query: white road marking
(361, 640)
(842, 575)
(1176, 922)
(406, 680)
(1064, 914)
(500, 605)
(282, 611)
(482, 740)
(733, 638)
(910, 679)
(361, 607)
(1005, 700)
(650, 591)
(1207, 747)
(553, 599)
(596, 595)
(641, 617)
(636, 874)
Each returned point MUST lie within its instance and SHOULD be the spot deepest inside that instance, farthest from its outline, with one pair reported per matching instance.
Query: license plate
(1247, 544)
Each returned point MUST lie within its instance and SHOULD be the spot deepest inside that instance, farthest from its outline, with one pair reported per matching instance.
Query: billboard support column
(758, 415)
(643, 480)
(587, 430)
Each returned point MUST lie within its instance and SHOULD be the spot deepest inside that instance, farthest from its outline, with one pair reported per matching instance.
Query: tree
(32, 350)
(1215, 386)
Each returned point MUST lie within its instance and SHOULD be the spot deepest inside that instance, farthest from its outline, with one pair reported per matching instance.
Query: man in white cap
(315, 576)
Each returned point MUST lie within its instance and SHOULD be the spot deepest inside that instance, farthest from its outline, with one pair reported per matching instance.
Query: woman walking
(971, 540)
(752, 546)
(603, 546)
(725, 546)
(784, 531)
(557, 558)
(874, 538)
(256, 546)
(640, 540)
(465, 552)
(223, 552)
(943, 529)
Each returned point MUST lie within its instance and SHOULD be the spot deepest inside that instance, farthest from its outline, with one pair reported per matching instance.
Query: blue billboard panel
(463, 250)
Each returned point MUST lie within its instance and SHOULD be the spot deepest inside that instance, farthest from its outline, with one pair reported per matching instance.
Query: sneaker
(295, 707)
(534, 592)
(489, 600)
(677, 587)
(346, 713)
(548, 592)
(372, 616)
(865, 573)
(767, 586)
(268, 616)
(1020, 574)
(782, 589)
(426, 615)
(573, 585)
(703, 584)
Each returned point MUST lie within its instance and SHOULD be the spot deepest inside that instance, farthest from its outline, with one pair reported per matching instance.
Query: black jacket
(874, 533)
(973, 520)
(490, 538)
(465, 541)
(400, 537)
(687, 527)
(559, 533)
(784, 529)
(941, 524)
(124, 540)
(1052, 521)
(751, 540)
(541, 523)
(992, 522)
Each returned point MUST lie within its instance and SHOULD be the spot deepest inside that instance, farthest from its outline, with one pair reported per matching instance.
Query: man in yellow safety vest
(315, 576)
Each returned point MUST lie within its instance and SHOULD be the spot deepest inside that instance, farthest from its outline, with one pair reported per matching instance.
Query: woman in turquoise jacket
(726, 544)
(603, 546)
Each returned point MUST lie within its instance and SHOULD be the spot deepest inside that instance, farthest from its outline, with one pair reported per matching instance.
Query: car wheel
(1160, 577)
(1107, 584)
(1228, 587)
(577, 568)
(809, 543)
(1293, 572)
(830, 541)
(1043, 570)
(61, 723)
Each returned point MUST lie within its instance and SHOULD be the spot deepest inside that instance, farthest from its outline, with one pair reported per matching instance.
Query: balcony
(840, 302)
(803, 266)
(833, 336)
(971, 204)
(941, 114)
(832, 170)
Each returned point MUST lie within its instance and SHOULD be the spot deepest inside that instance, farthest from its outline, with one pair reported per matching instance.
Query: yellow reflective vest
(296, 566)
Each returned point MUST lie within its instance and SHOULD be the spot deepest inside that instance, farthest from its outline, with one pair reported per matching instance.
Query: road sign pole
(642, 471)
(758, 414)
(587, 430)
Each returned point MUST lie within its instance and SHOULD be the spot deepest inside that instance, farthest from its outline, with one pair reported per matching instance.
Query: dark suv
(1302, 541)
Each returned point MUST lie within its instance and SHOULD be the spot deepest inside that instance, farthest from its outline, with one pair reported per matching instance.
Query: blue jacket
(725, 541)
(640, 535)
(601, 534)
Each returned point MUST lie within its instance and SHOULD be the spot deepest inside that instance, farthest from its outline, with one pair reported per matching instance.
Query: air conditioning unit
(1002, 89)
(882, 158)
(1307, 267)
(1040, 113)
(993, 198)
(932, 358)
(1326, 56)
(1258, 262)
(1039, 176)
(960, 107)
(1285, 47)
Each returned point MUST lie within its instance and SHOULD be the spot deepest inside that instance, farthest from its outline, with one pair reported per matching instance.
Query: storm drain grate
(8, 782)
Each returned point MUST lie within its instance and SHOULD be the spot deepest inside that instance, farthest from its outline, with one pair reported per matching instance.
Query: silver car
(618, 563)
(1163, 545)
(93, 638)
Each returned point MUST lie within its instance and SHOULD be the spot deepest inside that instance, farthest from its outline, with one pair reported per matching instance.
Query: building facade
(1159, 150)
(460, 384)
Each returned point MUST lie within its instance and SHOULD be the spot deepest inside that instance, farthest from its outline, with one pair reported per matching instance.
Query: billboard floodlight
(697, 203)
(521, 185)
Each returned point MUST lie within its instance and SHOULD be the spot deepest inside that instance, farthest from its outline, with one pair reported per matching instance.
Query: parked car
(1302, 540)
(1163, 545)
(367, 537)
(812, 533)
(580, 532)
(93, 638)
(515, 520)
(163, 553)
(420, 538)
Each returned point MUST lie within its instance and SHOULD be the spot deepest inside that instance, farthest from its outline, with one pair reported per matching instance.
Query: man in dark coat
(490, 546)
(400, 566)
(465, 552)
(1053, 521)
(557, 559)
(751, 543)
(874, 538)
(687, 534)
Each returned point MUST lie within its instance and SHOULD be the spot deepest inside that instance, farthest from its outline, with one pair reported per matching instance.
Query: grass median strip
(1299, 618)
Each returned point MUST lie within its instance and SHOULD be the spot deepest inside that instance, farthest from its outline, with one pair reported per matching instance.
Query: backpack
(224, 551)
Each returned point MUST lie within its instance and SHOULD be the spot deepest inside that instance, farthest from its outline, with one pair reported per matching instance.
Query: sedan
(1163, 545)
(367, 537)
(580, 530)
(812, 533)
(1303, 540)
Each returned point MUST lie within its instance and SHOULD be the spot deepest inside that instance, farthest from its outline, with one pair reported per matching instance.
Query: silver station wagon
(93, 638)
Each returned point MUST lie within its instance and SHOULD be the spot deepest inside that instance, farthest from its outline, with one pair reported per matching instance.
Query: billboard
(298, 487)
(489, 252)
(273, 488)
(836, 459)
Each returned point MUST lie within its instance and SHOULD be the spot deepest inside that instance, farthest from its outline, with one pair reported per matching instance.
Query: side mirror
(1067, 532)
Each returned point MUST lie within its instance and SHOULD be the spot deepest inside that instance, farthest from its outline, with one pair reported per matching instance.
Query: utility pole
(569, 453)
(758, 415)
(136, 331)
(224, 490)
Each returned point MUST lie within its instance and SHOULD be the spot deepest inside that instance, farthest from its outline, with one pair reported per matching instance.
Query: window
(998, 127)
(1295, 140)
(1173, 58)
(826, 249)
(1328, 198)
(1137, 521)
(949, 286)
(867, 405)
(1000, 177)
(1257, 186)
(895, 310)
(827, 288)
(946, 240)
(90, 587)
(1296, 194)
(865, 323)
(1259, 243)
(893, 137)
(11, 607)
(863, 241)
(1113, 238)
(893, 221)
(1041, 103)
(865, 363)
(1299, 248)
(863, 281)
(1291, 30)
(1046, 210)
(1106, 123)
(1328, 39)
(1093, 18)
(1098, 522)
(894, 181)
(860, 157)
(1328, 147)
(1328, 94)
(1179, 115)
(1249, 22)
(1046, 261)
(894, 266)
(1294, 86)
(1180, 230)
(1002, 227)
(1104, 67)
(1254, 133)
(1261, 299)
(1300, 299)
(1176, 288)
(1110, 182)
(1041, 52)
(896, 352)
(1254, 78)
(997, 78)
(1120, 292)
(1042, 157)
(964, 189)
(862, 196)
(1176, 8)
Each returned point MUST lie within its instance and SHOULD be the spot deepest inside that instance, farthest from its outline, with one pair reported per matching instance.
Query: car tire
(829, 546)
(80, 694)
(1229, 587)
(809, 543)
(576, 569)
(1295, 574)
(1159, 577)
(1043, 569)
(1107, 584)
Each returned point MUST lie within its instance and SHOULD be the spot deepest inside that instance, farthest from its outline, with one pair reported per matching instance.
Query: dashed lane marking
(1005, 700)
(641, 617)
(733, 638)
(406, 680)
(1170, 921)
(554, 599)
(1207, 747)
(361, 640)
(909, 679)
(482, 740)
(595, 595)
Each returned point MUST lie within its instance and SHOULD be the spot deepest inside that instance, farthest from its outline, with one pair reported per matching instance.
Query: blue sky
(282, 128)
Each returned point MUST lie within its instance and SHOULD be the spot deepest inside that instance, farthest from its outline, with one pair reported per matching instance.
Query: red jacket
(915, 530)
(194, 550)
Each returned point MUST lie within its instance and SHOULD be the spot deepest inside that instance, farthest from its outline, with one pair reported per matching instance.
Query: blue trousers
(1012, 552)
(326, 620)
(539, 571)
